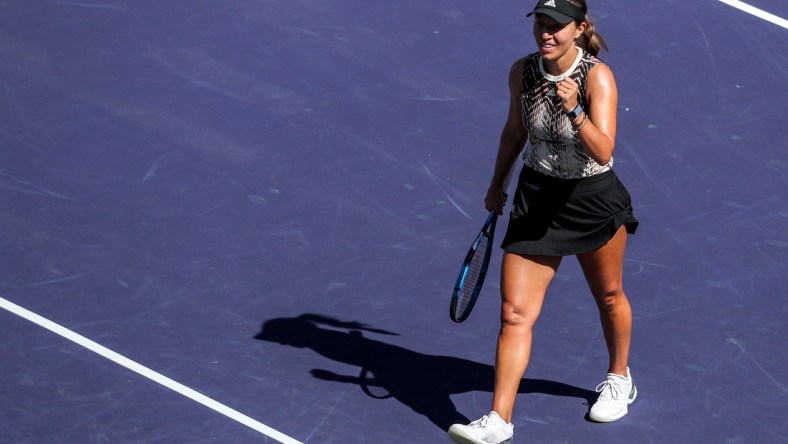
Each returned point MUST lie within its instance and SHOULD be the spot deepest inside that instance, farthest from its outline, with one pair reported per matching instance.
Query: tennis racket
(474, 267)
(473, 270)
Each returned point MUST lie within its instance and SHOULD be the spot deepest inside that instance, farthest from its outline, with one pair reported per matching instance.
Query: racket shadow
(422, 382)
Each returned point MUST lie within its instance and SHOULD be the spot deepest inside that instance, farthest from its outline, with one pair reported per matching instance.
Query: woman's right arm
(513, 139)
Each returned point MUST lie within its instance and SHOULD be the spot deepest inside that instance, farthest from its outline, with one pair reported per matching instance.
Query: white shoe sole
(459, 436)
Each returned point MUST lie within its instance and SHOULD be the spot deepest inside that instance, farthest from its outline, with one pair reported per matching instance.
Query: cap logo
(550, 3)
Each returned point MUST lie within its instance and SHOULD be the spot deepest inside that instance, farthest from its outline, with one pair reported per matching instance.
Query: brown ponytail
(590, 41)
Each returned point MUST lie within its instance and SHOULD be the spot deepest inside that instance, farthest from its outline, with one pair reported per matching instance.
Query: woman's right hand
(495, 199)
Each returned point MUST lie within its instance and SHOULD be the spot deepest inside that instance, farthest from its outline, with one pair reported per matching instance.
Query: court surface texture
(240, 222)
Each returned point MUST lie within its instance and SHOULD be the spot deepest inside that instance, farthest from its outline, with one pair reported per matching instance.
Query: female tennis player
(568, 202)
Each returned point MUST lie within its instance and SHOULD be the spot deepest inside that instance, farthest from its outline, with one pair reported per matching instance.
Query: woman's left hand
(568, 90)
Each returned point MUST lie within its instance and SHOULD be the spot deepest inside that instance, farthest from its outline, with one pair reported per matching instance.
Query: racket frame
(488, 231)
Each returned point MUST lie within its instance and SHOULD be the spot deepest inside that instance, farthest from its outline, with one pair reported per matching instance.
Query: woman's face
(554, 39)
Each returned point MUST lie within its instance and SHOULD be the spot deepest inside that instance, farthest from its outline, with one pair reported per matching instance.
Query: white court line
(146, 372)
(760, 13)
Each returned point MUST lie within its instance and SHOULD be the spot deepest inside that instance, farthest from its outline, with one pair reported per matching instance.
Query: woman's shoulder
(521, 64)
(531, 59)
(599, 77)
(592, 59)
(594, 67)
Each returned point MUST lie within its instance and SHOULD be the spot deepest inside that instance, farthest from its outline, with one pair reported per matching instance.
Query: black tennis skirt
(561, 217)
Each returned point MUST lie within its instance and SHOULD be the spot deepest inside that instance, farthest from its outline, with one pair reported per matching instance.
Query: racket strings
(475, 267)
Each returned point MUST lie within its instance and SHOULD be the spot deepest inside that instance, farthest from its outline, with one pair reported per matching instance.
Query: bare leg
(524, 282)
(603, 269)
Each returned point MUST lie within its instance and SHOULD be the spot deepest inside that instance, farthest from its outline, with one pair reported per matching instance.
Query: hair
(590, 41)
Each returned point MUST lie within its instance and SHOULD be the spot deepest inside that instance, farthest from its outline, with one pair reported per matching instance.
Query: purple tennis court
(241, 221)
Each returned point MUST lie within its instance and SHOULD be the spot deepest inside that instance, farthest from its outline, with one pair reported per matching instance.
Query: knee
(515, 316)
(610, 299)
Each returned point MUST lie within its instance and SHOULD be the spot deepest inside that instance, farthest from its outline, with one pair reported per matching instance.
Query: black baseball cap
(559, 10)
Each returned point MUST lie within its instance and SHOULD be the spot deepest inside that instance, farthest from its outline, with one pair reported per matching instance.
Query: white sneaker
(490, 429)
(615, 394)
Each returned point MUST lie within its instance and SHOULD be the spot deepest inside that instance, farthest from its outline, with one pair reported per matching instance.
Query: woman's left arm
(597, 130)
(598, 134)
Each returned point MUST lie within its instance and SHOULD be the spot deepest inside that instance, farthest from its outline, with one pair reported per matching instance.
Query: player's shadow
(422, 382)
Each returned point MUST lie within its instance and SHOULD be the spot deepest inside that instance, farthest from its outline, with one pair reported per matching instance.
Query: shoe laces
(481, 422)
(610, 389)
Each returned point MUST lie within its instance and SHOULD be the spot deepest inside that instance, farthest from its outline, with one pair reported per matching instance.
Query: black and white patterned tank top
(554, 149)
